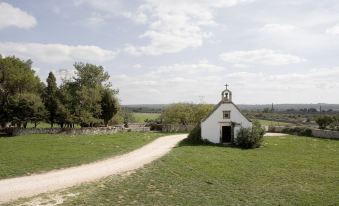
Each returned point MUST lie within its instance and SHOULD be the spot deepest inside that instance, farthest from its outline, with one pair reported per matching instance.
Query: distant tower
(272, 109)
(226, 95)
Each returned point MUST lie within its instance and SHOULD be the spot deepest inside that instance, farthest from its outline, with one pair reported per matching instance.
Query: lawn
(285, 171)
(36, 153)
(141, 117)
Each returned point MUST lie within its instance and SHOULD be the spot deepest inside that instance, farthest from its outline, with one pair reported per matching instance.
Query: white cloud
(166, 84)
(260, 56)
(103, 5)
(136, 66)
(15, 17)
(138, 16)
(187, 82)
(52, 53)
(64, 74)
(313, 86)
(96, 18)
(278, 28)
(36, 69)
(333, 30)
(176, 25)
(172, 25)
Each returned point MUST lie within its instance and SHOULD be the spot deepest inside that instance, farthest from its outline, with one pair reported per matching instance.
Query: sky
(166, 51)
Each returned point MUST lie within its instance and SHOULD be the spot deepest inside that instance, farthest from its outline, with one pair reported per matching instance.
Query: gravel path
(268, 134)
(14, 188)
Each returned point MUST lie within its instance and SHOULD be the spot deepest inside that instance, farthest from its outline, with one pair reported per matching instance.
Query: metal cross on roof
(226, 85)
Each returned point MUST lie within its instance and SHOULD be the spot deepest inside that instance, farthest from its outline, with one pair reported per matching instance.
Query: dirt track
(14, 188)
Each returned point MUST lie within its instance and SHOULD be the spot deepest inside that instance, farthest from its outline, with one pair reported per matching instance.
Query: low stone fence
(138, 127)
(328, 134)
(325, 133)
(275, 128)
(74, 131)
(177, 128)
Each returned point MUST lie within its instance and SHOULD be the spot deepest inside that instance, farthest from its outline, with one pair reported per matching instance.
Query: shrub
(324, 121)
(194, 136)
(248, 138)
(299, 131)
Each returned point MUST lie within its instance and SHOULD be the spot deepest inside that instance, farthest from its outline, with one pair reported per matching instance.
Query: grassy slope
(36, 153)
(141, 117)
(285, 171)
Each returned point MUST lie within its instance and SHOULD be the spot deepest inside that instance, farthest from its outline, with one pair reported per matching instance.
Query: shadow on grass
(189, 142)
(4, 135)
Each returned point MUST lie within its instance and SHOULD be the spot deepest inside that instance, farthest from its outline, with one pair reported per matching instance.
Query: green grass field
(141, 117)
(285, 171)
(37, 153)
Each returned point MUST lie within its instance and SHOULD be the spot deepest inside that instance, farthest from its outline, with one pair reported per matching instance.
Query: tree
(51, 100)
(323, 121)
(180, 113)
(201, 111)
(109, 105)
(91, 75)
(335, 123)
(123, 116)
(185, 113)
(26, 107)
(18, 84)
(87, 99)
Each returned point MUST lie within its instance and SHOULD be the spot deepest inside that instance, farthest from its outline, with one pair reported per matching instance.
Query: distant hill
(285, 107)
(145, 108)
(157, 108)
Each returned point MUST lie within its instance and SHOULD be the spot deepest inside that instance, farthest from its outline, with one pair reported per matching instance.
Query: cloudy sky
(165, 51)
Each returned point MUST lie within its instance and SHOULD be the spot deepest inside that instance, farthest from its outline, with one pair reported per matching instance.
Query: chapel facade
(224, 122)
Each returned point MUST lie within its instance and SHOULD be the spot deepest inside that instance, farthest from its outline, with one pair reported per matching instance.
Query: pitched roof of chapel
(218, 105)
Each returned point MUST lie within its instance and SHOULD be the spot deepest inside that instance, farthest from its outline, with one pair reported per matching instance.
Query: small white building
(225, 120)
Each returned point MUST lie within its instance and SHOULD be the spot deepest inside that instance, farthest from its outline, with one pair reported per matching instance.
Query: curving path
(14, 188)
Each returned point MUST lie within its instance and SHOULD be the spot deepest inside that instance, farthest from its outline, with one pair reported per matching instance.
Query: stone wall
(74, 131)
(325, 134)
(138, 127)
(275, 128)
(329, 134)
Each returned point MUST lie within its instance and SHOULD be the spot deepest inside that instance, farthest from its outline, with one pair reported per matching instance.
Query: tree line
(87, 99)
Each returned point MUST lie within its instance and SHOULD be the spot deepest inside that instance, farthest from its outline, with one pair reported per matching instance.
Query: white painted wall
(211, 127)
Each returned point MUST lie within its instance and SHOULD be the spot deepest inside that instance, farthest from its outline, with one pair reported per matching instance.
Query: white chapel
(224, 122)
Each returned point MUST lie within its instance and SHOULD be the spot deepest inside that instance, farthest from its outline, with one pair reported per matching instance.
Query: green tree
(185, 113)
(335, 124)
(65, 115)
(17, 82)
(201, 111)
(180, 113)
(82, 97)
(51, 99)
(123, 116)
(91, 75)
(109, 105)
(323, 121)
(26, 107)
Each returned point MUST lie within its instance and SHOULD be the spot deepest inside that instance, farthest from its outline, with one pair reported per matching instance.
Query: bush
(248, 138)
(324, 121)
(299, 131)
(194, 136)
